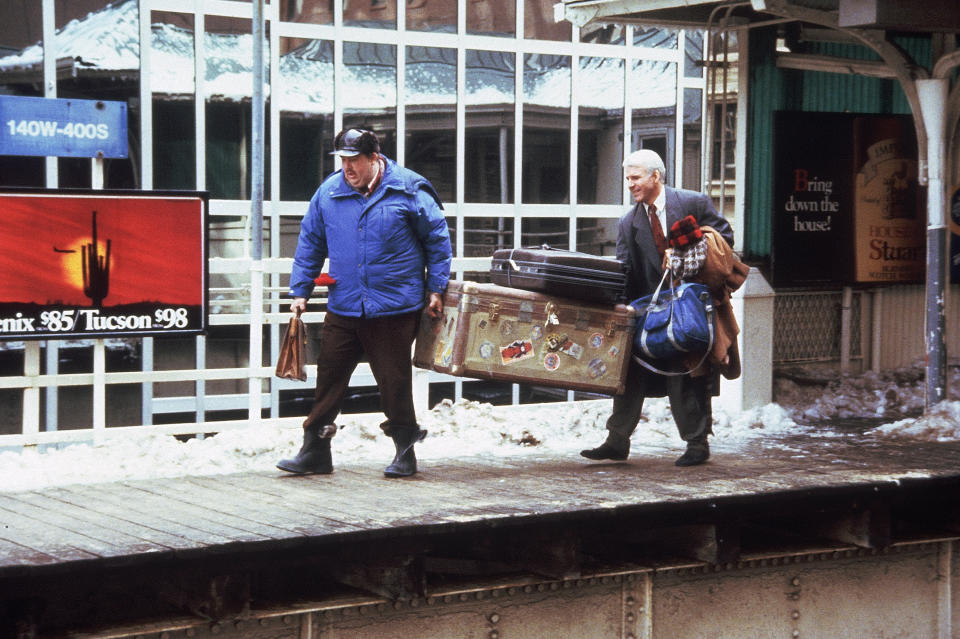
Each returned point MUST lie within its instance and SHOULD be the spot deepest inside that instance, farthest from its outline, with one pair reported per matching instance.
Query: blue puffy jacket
(386, 251)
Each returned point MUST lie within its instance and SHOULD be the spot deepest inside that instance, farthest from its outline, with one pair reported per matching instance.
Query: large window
(523, 133)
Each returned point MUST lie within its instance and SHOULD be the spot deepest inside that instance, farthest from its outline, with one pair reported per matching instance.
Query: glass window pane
(228, 85)
(597, 235)
(655, 37)
(172, 84)
(693, 54)
(489, 126)
(492, 17)
(377, 14)
(484, 235)
(431, 97)
(603, 34)
(692, 116)
(370, 91)
(304, 94)
(312, 11)
(600, 135)
(432, 15)
(652, 88)
(452, 228)
(553, 231)
(546, 129)
(538, 22)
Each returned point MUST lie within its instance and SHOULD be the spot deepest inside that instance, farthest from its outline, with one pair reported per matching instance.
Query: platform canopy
(899, 15)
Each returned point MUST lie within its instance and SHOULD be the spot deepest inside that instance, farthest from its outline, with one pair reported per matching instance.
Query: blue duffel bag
(672, 323)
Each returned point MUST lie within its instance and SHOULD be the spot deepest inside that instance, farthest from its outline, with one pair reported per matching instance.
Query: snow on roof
(107, 41)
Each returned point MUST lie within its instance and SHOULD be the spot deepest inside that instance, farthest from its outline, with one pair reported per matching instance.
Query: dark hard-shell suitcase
(494, 332)
(568, 273)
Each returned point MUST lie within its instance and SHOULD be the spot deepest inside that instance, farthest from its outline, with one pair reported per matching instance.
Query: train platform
(217, 547)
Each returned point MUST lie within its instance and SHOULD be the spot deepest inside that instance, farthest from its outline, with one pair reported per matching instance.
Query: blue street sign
(62, 127)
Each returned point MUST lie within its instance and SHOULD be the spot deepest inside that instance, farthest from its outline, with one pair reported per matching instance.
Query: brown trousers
(386, 342)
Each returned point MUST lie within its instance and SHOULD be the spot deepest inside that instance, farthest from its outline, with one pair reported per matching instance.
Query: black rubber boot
(698, 451)
(314, 455)
(404, 462)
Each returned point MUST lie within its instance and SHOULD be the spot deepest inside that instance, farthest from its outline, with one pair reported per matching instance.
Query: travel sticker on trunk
(516, 351)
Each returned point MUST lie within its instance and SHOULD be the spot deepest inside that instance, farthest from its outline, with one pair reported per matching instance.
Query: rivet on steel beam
(215, 629)
(191, 632)
(464, 596)
(164, 635)
(397, 605)
(795, 614)
(630, 636)
(447, 598)
(415, 603)
(494, 634)
(264, 622)
(541, 587)
(630, 601)
(511, 590)
(795, 581)
(796, 633)
(528, 589)
(630, 617)
(287, 620)
(430, 601)
(554, 586)
(494, 618)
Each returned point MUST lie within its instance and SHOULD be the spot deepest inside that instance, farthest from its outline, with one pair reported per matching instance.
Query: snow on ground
(892, 401)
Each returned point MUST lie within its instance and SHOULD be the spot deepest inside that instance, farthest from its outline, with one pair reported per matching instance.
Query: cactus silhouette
(96, 269)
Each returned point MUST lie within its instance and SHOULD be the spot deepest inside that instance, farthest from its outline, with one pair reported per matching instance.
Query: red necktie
(657, 230)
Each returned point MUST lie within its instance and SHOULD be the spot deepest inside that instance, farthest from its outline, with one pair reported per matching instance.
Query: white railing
(229, 306)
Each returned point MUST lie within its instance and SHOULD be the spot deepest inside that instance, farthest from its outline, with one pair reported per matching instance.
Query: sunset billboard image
(102, 264)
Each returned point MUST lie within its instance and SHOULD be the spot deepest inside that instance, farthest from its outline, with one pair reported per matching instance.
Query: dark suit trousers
(386, 342)
(689, 402)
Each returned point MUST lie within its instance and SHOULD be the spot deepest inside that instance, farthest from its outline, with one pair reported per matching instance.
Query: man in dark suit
(641, 242)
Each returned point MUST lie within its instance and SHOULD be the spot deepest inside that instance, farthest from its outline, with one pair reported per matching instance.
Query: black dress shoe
(697, 453)
(606, 450)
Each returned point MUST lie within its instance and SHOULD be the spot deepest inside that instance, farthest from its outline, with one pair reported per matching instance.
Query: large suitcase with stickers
(559, 272)
(494, 332)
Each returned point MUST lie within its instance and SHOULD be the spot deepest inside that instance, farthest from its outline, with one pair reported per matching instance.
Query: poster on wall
(813, 198)
(889, 209)
(848, 207)
(102, 263)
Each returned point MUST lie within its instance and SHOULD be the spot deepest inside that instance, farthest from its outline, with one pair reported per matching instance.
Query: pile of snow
(467, 428)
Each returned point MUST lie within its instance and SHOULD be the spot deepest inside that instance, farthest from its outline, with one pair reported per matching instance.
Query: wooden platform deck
(138, 522)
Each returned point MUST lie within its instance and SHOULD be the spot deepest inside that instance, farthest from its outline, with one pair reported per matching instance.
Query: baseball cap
(351, 142)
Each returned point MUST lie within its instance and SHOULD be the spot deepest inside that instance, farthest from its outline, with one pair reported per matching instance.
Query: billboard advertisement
(102, 263)
(848, 206)
(813, 199)
(890, 211)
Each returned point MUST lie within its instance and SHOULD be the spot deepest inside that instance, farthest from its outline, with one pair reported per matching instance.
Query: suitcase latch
(611, 328)
(551, 312)
(493, 311)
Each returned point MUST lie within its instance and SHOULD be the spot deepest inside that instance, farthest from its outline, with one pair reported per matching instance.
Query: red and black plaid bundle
(685, 232)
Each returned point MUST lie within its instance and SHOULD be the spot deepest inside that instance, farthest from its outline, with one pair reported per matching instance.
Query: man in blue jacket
(382, 228)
